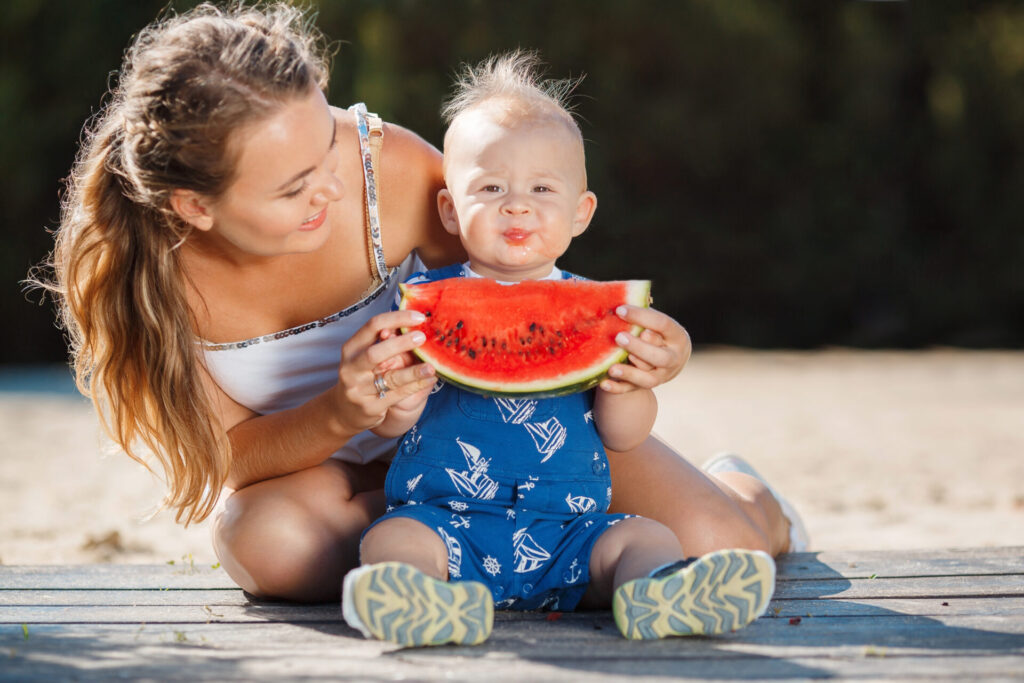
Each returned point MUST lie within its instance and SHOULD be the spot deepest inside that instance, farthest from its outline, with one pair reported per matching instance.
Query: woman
(225, 264)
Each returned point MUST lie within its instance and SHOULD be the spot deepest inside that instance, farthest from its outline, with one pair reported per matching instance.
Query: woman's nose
(330, 191)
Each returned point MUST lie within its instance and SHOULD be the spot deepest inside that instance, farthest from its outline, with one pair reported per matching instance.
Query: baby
(503, 502)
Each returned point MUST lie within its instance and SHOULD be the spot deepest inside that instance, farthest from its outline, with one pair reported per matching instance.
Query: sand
(878, 450)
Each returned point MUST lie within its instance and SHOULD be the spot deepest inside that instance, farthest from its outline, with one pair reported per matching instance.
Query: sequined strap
(371, 138)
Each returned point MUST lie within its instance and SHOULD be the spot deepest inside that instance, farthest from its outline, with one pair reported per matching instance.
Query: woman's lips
(316, 221)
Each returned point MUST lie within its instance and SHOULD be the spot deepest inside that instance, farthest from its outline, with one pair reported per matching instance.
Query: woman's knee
(290, 542)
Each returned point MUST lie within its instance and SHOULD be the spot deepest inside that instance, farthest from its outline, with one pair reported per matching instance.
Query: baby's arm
(624, 420)
(403, 415)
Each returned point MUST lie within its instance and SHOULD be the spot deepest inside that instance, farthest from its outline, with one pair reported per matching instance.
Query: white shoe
(799, 540)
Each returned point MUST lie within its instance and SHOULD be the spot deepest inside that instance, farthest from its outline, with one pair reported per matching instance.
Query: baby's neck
(544, 273)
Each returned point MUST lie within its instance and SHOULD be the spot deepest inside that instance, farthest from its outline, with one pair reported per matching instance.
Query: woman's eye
(296, 192)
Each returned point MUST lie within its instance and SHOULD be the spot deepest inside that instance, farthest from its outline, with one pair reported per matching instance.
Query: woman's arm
(267, 446)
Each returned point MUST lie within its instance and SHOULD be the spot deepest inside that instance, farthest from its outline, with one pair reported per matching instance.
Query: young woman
(226, 260)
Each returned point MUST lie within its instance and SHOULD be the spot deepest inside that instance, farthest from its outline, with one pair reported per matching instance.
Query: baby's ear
(193, 208)
(585, 208)
(446, 209)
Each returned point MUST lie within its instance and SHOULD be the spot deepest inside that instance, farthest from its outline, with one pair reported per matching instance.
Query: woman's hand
(655, 357)
(377, 370)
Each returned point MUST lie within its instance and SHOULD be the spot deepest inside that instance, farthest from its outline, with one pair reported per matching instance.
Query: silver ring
(381, 385)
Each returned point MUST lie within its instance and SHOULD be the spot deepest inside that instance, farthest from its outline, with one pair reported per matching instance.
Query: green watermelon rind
(638, 293)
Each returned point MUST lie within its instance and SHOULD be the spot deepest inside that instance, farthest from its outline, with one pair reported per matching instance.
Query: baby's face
(516, 196)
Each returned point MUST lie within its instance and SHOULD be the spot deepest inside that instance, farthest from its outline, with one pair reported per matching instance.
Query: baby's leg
(656, 594)
(400, 594)
(628, 550)
(401, 539)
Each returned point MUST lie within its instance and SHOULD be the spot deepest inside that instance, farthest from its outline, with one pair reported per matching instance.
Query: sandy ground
(879, 450)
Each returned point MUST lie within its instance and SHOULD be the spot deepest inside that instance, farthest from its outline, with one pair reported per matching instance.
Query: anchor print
(574, 572)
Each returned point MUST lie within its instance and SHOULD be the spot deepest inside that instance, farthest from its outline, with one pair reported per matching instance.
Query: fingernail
(622, 338)
(426, 371)
(615, 372)
(418, 317)
(419, 337)
(620, 311)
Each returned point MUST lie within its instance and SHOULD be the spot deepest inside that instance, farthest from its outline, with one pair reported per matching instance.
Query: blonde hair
(514, 85)
(186, 83)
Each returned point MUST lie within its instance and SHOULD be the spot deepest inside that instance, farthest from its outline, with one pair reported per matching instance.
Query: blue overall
(516, 488)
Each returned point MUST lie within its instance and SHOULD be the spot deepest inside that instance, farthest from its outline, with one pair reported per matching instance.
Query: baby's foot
(398, 603)
(716, 593)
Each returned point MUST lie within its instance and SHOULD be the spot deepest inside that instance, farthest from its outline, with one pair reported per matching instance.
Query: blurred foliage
(789, 174)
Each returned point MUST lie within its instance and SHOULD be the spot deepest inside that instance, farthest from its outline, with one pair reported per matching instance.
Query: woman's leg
(730, 510)
(295, 536)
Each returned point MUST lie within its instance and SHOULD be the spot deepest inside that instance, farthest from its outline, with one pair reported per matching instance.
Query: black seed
(558, 332)
(533, 327)
(458, 325)
(551, 351)
(426, 313)
(529, 339)
(448, 343)
(504, 346)
(472, 353)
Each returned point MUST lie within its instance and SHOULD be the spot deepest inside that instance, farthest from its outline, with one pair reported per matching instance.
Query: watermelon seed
(472, 353)
(458, 325)
(533, 327)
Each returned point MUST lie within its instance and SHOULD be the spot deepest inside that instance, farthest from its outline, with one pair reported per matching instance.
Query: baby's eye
(491, 188)
(541, 188)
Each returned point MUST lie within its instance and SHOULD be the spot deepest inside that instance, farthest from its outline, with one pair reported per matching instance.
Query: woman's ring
(381, 385)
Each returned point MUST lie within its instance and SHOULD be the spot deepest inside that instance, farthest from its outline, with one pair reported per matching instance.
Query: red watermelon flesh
(532, 338)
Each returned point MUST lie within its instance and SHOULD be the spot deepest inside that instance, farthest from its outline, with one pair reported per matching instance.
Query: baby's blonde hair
(515, 83)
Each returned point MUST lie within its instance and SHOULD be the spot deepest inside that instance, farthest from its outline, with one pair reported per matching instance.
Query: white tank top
(285, 369)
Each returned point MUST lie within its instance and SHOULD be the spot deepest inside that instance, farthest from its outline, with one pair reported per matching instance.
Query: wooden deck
(943, 614)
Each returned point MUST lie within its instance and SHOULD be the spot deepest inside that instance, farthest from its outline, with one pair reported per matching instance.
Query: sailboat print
(548, 436)
(454, 554)
(516, 410)
(580, 504)
(529, 556)
(473, 482)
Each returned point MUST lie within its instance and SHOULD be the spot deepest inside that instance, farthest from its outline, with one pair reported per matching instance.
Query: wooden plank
(113, 607)
(115, 577)
(913, 587)
(905, 563)
(223, 651)
(596, 633)
(280, 611)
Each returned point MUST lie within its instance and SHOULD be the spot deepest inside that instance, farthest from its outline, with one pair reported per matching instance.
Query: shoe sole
(719, 592)
(397, 603)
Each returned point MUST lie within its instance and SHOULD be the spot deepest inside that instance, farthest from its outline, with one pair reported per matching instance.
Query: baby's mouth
(516, 235)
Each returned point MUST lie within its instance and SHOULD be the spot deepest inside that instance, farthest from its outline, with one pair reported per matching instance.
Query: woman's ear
(193, 208)
(446, 209)
(585, 208)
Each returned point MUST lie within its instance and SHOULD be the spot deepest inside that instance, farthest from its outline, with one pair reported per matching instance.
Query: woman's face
(284, 182)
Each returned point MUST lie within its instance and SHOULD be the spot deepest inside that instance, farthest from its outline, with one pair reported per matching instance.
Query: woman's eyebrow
(334, 138)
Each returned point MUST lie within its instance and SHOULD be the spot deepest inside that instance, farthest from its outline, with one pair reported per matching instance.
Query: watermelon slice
(534, 338)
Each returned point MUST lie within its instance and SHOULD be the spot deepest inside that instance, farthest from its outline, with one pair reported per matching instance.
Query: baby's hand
(655, 357)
